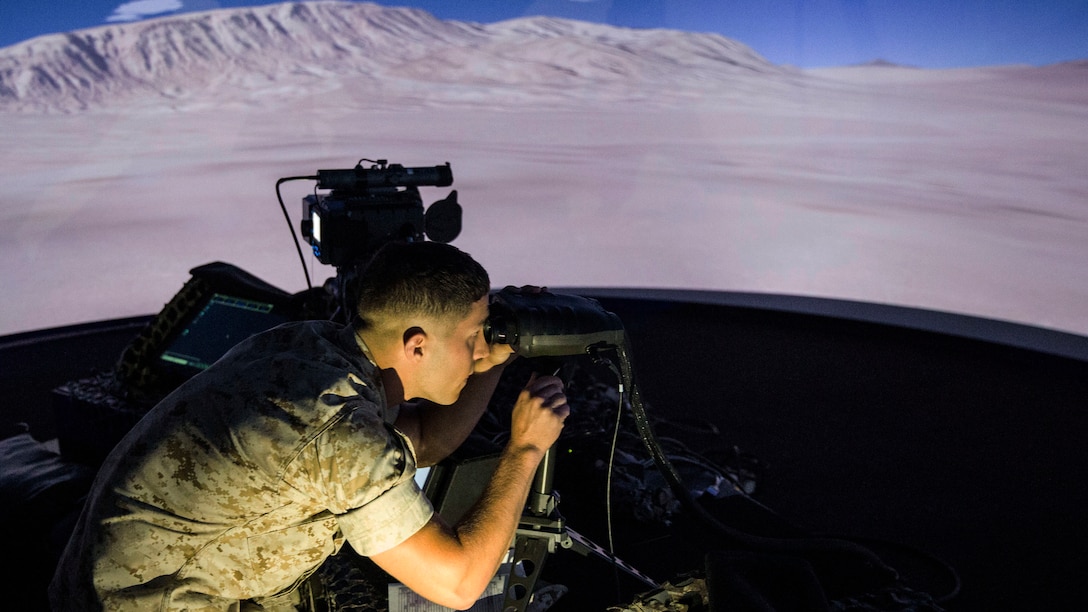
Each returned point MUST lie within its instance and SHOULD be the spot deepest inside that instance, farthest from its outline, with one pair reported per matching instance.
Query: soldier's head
(421, 308)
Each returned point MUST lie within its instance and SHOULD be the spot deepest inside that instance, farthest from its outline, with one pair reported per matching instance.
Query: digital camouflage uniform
(244, 480)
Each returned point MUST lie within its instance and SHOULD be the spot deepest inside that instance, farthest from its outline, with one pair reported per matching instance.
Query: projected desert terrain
(583, 155)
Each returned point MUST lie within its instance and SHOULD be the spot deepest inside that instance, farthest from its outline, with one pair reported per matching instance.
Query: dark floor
(933, 449)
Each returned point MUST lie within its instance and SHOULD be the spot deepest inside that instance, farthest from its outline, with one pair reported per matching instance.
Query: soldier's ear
(415, 339)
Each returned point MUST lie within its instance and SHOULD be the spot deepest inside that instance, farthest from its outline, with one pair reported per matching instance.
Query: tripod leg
(529, 556)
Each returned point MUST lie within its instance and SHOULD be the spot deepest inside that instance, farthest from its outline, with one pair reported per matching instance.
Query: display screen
(222, 323)
(316, 226)
(926, 155)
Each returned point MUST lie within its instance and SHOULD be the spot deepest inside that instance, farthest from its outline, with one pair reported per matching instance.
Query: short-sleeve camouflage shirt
(245, 479)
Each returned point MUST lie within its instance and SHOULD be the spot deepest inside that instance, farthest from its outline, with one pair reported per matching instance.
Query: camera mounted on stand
(368, 207)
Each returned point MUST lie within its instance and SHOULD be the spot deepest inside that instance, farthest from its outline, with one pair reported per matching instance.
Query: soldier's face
(452, 354)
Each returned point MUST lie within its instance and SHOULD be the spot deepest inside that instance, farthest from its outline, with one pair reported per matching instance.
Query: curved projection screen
(933, 157)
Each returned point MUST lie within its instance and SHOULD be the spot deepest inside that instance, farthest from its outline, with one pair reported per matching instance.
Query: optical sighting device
(537, 323)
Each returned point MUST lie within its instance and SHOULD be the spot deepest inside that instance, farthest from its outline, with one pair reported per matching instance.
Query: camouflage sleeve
(388, 520)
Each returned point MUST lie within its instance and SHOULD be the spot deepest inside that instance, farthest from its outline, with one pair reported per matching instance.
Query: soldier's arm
(452, 566)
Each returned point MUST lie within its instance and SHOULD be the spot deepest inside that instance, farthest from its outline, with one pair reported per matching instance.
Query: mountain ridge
(240, 53)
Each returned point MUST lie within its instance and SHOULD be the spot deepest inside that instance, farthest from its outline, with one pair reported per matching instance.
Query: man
(246, 478)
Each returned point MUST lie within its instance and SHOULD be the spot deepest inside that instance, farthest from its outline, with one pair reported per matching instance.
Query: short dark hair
(423, 278)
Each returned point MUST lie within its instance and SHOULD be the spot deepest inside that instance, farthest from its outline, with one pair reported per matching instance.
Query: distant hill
(256, 54)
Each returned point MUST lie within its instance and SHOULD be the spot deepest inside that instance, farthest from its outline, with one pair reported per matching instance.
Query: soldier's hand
(539, 413)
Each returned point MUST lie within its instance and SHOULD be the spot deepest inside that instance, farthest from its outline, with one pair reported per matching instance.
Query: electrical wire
(608, 487)
(672, 477)
(291, 228)
(608, 478)
(953, 574)
(667, 453)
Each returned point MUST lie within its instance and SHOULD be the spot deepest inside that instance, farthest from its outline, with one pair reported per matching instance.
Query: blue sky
(805, 33)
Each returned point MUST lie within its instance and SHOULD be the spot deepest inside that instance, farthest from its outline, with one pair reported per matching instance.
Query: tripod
(542, 531)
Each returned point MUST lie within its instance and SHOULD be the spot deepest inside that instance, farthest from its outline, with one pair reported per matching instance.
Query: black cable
(298, 246)
(754, 542)
(608, 481)
(839, 543)
(608, 486)
(699, 460)
(954, 576)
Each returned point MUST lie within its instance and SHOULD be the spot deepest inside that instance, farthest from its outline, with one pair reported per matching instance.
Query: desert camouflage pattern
(244, 480)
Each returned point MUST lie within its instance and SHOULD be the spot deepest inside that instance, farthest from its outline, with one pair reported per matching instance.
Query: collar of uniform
(365, 349)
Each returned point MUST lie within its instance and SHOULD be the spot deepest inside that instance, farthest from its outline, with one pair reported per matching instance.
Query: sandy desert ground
(959, 190)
